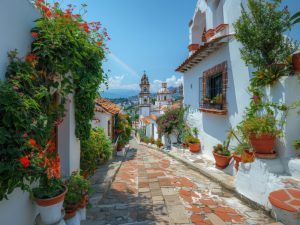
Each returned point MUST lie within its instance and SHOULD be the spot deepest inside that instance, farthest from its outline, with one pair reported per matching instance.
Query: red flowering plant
(66, 57)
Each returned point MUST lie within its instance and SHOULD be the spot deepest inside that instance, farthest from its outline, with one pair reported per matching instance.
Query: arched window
(145, 89)
(165, 98)
(145, 100)
(198, 27)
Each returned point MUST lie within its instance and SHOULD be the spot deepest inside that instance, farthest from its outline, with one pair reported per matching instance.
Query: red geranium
(25, 161)
(99, 43)
(32, 142)
(31, 57)
(34, 34)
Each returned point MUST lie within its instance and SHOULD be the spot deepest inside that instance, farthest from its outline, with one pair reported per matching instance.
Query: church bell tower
(144, 97)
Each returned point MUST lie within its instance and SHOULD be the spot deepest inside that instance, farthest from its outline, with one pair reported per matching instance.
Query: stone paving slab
(153, 188)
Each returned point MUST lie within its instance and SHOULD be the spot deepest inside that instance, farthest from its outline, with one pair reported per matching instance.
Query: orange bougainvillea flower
(25, 161)
(32, 142)
(34, 34)
(48, 13)
(99, 43)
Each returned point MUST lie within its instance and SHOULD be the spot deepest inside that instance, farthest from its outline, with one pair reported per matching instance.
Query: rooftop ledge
(203, 51)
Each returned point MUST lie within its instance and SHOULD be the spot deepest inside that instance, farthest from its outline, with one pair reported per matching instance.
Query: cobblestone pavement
(152, 188)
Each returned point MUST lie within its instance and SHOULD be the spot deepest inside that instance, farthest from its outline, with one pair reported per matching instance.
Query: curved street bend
(152, 188)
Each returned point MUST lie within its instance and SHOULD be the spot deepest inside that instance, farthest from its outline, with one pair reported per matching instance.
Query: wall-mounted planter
(210, 33)
(221, 27)
(296, 62)
(222, 161)
(263, 144)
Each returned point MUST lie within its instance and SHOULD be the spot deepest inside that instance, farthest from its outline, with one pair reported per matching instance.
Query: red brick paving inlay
(286, 199)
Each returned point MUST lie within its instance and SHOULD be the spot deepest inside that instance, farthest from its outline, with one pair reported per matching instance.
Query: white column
(68, 144)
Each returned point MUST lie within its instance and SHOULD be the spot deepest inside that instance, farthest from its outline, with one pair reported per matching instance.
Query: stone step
(215, 219)
(277, 223)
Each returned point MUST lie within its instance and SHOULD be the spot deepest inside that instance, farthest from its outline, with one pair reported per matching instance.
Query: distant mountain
(119, 93)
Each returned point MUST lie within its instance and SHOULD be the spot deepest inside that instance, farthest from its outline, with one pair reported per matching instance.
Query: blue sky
(149, 35)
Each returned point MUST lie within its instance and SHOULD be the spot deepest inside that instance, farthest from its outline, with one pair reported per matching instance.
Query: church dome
(163, 89)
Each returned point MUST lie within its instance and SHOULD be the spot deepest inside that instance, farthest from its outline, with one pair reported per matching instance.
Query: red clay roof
(193, 59)
(107, 105)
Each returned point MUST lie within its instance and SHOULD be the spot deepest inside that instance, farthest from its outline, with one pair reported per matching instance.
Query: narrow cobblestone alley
(152, 188)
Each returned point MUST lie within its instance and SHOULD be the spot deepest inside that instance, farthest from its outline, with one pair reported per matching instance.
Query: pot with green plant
(221, 152)
(77, 195)
(194, 142)
(241, 154)
(222, 156)
(262, 132)
(49, 197)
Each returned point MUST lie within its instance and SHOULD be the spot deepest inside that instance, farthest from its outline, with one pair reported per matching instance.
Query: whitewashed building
(215, 88)
(105, 116)
(149, 112)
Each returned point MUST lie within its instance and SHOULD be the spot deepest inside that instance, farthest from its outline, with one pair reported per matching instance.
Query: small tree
(172, 122)
(261, 31)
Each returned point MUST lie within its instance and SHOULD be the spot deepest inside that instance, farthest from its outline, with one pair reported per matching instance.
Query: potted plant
(222, 156)
(262, 132)
(242, 154)
(221, 153)
(159, 143)
(77, 195)
(49, 197)
(194, 142)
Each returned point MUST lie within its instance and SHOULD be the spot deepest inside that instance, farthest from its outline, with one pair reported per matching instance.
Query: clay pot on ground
(263, 144)
(194, 147)
(222, 161)
(50, 208)
(237, 159)
(296, 62)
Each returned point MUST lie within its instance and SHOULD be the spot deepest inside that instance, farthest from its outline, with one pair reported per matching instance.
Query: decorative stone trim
(220, 68)
(221, 27)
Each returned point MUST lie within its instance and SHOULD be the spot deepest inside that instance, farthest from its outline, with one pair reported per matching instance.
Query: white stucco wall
(16, 21)
(104, 118)
(68, 143)
(212, 128)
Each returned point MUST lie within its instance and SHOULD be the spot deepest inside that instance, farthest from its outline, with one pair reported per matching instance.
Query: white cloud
(117, 82)
(172, 81)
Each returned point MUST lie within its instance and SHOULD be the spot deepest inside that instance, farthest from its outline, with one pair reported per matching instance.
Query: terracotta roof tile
(107, 106)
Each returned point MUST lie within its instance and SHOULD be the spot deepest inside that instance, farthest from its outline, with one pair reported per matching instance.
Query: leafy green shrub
(158, 143)
(259, 125)
(124, 127)
(261, 31)
(77, 187)
(96, 149)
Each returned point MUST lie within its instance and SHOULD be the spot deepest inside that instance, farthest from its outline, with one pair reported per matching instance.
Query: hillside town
(216, 144)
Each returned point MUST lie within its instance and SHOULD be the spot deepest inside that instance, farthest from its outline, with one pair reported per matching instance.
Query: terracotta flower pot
(247, 156)
(194, 147)
(237, 159)
(222, 161)
(71, 211)
(263, 144)
(50, 208)
(296, 62)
